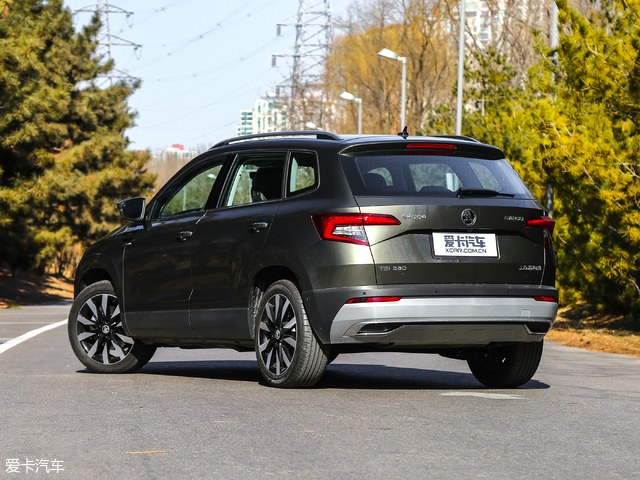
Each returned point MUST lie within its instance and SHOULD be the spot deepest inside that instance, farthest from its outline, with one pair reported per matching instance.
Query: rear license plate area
(464, 245)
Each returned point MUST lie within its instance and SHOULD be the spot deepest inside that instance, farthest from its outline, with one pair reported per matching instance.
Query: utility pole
(553, 41)
(103, 8)
(314, 36)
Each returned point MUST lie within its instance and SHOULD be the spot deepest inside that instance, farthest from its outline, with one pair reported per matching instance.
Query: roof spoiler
(458, 137)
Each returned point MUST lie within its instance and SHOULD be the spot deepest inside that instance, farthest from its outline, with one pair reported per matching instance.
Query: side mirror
(133, 209)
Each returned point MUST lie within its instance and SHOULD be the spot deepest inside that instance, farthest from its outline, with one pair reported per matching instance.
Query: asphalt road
(206, 414)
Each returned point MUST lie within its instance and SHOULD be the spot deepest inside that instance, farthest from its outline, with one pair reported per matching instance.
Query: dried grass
(579, 327)
(30, 289)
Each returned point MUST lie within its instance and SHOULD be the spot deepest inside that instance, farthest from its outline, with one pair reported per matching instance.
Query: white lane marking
(493, 396)
(16, 341)
(25, 323)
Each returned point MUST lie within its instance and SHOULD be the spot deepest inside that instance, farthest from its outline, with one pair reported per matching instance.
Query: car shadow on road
(384, 377)
(337, 376)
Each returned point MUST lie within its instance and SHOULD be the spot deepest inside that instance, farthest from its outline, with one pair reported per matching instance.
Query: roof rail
(319, 134)
(458, 137)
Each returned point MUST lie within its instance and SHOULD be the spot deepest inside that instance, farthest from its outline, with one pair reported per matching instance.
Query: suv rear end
(460, 250)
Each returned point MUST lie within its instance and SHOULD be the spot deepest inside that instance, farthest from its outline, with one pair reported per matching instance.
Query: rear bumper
(324, 305)
(449, 321)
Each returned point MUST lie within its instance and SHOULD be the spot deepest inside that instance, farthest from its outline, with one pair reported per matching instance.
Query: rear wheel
(97, 336)
(506, 367)
(288, 352)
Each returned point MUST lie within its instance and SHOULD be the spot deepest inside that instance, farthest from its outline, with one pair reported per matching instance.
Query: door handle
(182, 236)
(255, 227)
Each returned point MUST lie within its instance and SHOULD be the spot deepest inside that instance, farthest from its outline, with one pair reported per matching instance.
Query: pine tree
(586, 125)
(495, 112)
(63, 157)
(574, 123)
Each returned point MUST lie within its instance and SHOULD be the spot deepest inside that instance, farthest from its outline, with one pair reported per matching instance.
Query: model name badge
(530, 268)
(509, 218)
(392, 268)
(413, 217)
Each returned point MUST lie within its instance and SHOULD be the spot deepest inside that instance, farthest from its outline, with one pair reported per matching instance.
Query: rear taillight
(543, 222)
(374, 299)
(544, 298)
(349, 227)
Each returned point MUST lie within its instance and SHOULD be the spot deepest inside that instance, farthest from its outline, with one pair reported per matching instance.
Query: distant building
(177, 151)
(246, 123)
(482, 23)
(489, 21)
(168, 161)
(268, 115)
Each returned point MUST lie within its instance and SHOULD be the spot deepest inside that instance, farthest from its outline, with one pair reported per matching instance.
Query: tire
(287, 350)
(506, 367)
(97, 336)
(332, 355)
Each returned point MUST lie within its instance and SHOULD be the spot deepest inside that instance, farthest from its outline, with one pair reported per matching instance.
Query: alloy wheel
(100, 331)
(278, 334)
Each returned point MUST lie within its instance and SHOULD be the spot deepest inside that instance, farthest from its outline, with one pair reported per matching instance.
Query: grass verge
(579, 327)
(32, 289)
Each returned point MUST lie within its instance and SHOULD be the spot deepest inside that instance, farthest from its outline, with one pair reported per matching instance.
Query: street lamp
(349, 96)
(386, 53)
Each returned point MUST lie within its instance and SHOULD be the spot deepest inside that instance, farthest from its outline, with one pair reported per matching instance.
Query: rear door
(463, 216)
(228, 246)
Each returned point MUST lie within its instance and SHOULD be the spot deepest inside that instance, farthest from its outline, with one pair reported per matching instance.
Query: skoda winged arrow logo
(468, 217)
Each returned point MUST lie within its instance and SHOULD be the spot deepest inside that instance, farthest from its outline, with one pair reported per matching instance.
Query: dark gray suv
(306, 245)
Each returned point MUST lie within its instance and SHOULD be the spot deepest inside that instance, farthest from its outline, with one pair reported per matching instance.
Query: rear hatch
(465, 216)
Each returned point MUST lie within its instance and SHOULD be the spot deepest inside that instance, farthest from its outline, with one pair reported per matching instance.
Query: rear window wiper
(485, 192)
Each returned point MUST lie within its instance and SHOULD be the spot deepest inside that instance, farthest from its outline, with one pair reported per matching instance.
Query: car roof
(343, 143)
(344, 139)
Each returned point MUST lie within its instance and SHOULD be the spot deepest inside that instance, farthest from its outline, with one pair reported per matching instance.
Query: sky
(200, 62)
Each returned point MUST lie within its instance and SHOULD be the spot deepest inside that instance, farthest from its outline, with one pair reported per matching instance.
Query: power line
(109, 40)
(226, 23)
(219, 69)
(314, 36)
(227, 97)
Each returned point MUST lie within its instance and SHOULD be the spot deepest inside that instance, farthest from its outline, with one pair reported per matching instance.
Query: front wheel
(288, 352)
(506, 367)
(97, 336)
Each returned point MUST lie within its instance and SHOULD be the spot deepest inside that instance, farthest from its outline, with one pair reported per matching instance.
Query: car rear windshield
(396, 173)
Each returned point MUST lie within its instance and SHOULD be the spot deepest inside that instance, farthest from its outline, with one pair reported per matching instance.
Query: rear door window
(256, 177)
(303, 173)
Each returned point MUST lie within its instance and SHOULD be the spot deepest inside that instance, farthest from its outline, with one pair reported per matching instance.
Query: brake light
(374, 299)
(544, 298)
(543, 222)
(441, 146)
(349, 227)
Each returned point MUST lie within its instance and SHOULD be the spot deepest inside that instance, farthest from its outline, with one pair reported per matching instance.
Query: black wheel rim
(100, 332)
(277, 334)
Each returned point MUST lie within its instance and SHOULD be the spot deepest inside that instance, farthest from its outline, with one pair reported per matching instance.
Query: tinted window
(256, 177)
(190, 193)
(303, 173)
(398, 173)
